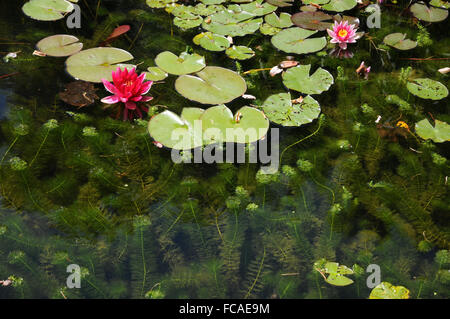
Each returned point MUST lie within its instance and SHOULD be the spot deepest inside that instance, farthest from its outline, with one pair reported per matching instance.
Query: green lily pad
(339, 5)
(184, 12)
(47, 10)
(230, 23)
(296, 40)
(429, 14)
(155, 74)
(184, 64)
(209, 2)
(298, 79)
(158, 4)
(256, 8)
(439, 133)
(59, 45)
(282, 21)
(211, 41)
(279, 109)
(247, 126)
(186, 24)
(206, 10)
(212, 85)
(92, 65)
(336, 273)
(440, 4)
(267, 29)
(281, 3)
(179, 132)
(398, 41)
(386, 290)
(319, 2)
(427, 89)
(240, 52)
(317, 20)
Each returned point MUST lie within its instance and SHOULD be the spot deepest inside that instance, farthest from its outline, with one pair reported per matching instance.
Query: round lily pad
(184, 64)
(247, 126)
(256, 8)
(267, 29)
(386, 290)
(211, 41)
(47, 10)
(298, 79)
(282, 21)
(186, 24)
(212, 1)
(279, 109)
(212, 85)
(339, 5)
(240, 52)
(92, 65)
(440, 4)
(296, 40)
(178, 132)
(159, 3)
(59, 45)
(206, 10)
(155, 74)
(398, 41)
(312, 20)
(429, 14)
(439, 133)
(281, 3)
(427, 89)
(229, 22)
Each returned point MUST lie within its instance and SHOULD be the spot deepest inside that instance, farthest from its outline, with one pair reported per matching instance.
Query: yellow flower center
(342, 33)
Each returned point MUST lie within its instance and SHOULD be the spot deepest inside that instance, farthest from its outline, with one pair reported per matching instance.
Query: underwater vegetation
(87, 177)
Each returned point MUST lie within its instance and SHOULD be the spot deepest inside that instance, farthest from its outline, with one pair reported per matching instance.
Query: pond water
(80, 186)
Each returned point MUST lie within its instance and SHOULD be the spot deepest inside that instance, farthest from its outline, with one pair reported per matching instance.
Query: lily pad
(440, 4)
(228, 22)
(179, 132)
(240, 52)
(333, 273)
(429, 14)
(282, 21)
(281, 3)
(279, 109)
(155, 74)
(267, 29)
(427, 89)
(439, 133)
(186, 24)
(339, 5)
(212, 85)
(47, 10)
(247, 126)
(206, 10)
(92, 65)
(59, 45)
(159, 3)
(184, 64)
(298, 79)
(398, 41)
(211, 41)
(313, 20)
(256, 8)
(296, 40)
(386, 290)
(209, 2)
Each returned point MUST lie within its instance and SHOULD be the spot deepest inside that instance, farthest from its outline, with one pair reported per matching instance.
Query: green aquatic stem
(40, 147)
(9, 148)
(301, 140)
(257, 275)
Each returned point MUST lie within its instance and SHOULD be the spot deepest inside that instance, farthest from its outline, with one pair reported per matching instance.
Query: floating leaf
(175, 131)
(229, 22)
(186, 24)
(159, 3)
(117, 32)
(79, 93)
(427, 89)
(256, 8)
(298, 79)
(440, 4)
(211, 41)
(212, 85)
(296, 40)
(336, 273)
(279, 109)
(439, 133)
(281, 3)
(397, 40)
(319, 2)
(209, 2)
(47, 10)
(94, 64)
(282, 21)
(313, 20)
(155, 74)
(204, 10)
(59, 45)
(429, 14)
(339, 5)
(247, 126)
(240, 52)
(386, 290)
(184, 64)
(267, 29)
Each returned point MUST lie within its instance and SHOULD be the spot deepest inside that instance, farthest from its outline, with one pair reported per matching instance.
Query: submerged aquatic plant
(343, 33)
(128, 88)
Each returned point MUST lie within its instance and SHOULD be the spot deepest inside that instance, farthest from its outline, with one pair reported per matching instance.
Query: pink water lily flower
(343, 33)
(128, 88)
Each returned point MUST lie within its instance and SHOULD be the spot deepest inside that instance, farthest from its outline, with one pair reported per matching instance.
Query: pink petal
(136, 98)
(109, 86)
(130, 105)
(146, 98)
(343, 45)
(110, 99)
(145, 87)
(331, 33)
